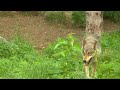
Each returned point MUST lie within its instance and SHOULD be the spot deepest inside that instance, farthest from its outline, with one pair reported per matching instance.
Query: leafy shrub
(56, 16)
(78, 18)
(61, 59)
(109, 62)
(112, 15)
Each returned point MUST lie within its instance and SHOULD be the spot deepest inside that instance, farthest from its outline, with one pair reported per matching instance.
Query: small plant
(63, 47)
(67, 54)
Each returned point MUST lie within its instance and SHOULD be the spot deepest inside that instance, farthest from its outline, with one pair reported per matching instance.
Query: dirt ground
(38, 31)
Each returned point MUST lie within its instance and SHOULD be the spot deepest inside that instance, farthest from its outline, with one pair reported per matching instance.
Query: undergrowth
(60, 60)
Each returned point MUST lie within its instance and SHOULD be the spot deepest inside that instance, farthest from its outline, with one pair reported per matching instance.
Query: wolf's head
(89, 50)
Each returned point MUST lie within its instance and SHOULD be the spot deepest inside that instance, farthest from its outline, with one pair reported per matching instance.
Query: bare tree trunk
(94, 22)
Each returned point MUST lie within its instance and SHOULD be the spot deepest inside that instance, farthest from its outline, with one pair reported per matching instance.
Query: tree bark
(94, 22)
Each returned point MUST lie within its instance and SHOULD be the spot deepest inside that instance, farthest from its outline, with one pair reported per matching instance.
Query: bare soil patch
(38, 31)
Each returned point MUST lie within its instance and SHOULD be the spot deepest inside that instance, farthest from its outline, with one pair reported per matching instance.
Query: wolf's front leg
(93, 69)
(87, 71)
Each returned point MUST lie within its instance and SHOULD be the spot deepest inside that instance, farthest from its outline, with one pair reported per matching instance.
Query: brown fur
(90, 52)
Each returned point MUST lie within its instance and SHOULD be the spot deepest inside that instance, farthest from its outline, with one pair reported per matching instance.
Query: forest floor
(38, 31)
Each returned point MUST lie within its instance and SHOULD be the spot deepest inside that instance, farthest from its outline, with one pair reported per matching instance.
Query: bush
(112, 15)
(24, 62)
(60, 60)
(78, 18)
(17, 47)
(67, 54)
(56, 16)
(109, 62)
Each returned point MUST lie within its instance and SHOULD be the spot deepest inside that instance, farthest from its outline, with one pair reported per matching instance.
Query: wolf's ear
(95, 45)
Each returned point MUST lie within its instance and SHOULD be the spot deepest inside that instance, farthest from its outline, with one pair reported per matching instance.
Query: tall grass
(109, 64)
(60, 60)
(20, 60)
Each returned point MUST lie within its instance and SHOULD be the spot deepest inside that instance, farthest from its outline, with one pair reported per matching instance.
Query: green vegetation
(57, 17)
(61, 59)
(112, 15)
(78, 18)
(20, 60)
(109, 64)
(6, 14)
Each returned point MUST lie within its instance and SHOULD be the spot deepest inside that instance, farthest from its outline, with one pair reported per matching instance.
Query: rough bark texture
(94, 22)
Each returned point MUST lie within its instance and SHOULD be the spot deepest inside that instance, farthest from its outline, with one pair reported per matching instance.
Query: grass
(20, 60)
(6, 14)
(56, 17)
(60, 60)
(109, 62)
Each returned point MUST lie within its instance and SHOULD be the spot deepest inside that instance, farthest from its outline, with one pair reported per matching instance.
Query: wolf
(91, 50)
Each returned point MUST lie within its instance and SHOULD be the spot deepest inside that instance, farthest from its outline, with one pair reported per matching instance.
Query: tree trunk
(94, 22)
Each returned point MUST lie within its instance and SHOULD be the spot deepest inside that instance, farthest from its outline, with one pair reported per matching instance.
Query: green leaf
(56, 46)
(59, 54)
